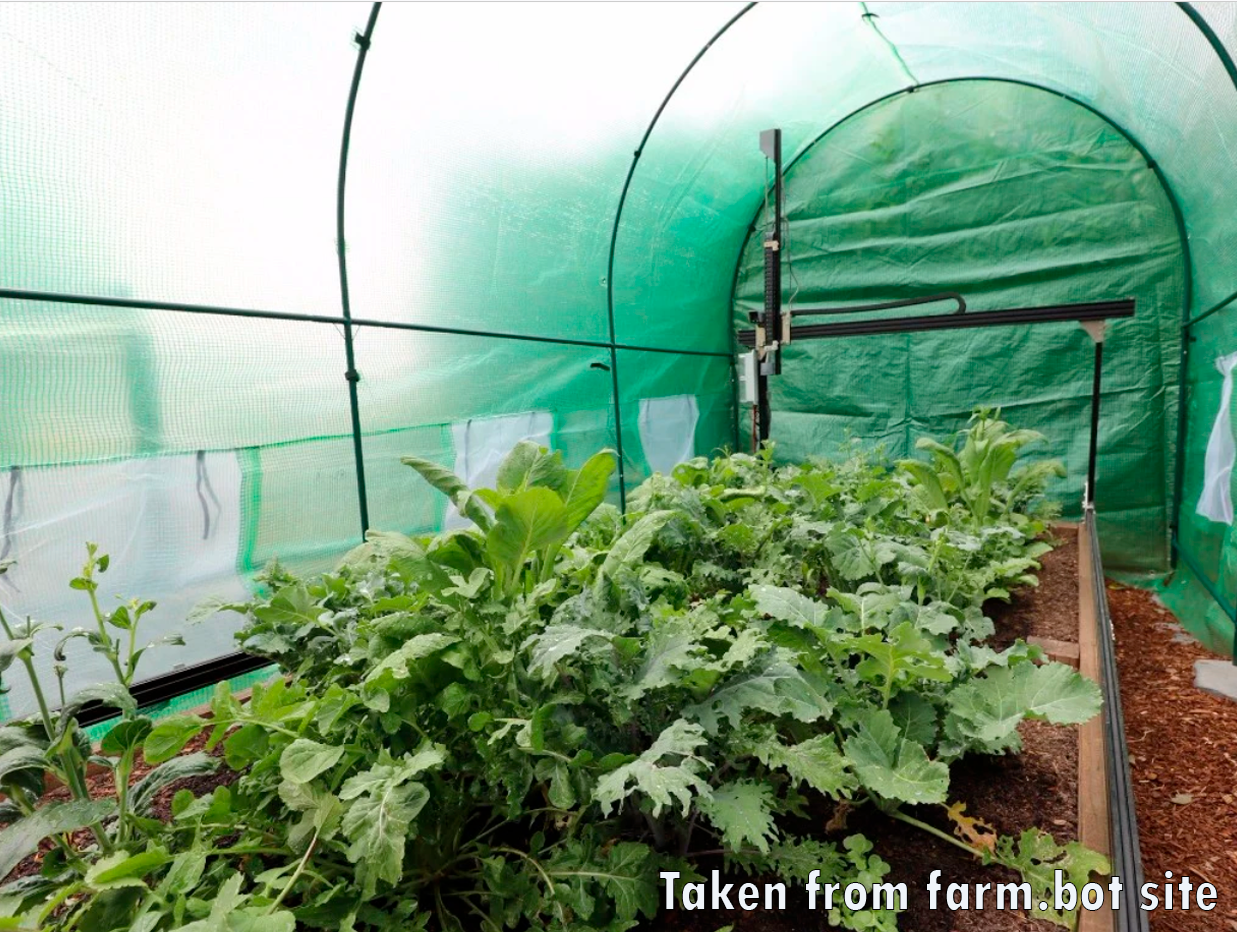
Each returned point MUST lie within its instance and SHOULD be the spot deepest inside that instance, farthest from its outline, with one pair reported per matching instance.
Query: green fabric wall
(1014, 197)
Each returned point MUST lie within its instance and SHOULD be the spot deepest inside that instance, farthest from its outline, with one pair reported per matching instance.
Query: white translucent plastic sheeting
(1216, 501)
(175, 152)
(1145, 66)
(481, 444)
(489, 150)
(668, 430)
(170, 526)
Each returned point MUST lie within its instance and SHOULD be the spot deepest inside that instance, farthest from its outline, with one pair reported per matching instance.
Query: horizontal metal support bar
(1211, 310)
(886, 306)
(176, 683)
(1099, 310)
(15, 294)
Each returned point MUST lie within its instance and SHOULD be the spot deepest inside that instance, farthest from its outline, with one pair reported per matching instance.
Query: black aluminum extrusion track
(1123, 821)
(1096, 310)
(175, 683)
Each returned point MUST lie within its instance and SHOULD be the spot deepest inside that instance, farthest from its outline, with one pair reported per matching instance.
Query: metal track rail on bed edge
(1123, 822)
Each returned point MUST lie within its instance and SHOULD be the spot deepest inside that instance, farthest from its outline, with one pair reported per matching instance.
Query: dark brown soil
(1049, 610)
(101, 785)
(1038, 787)
(1183, 748)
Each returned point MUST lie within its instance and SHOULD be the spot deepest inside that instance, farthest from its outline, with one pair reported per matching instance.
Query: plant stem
(107, 638)
(932, 830)
(313, 842)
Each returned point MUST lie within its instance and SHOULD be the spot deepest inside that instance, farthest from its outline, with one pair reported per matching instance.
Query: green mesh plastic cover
(1014, 197)
(190, 153)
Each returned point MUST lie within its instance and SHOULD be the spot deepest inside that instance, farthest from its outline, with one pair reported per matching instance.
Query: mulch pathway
(1183, 751)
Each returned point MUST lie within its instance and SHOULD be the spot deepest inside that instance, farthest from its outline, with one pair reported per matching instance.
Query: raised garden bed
(1038, 787)
(763, 667)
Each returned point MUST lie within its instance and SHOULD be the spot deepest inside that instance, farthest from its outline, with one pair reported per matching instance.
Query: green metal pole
(618, 216)
(56, 297)
(358, 452)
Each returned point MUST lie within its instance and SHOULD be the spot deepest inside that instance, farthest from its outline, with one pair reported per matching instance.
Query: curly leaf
(893, 766)
(743, 812)
(663, 784)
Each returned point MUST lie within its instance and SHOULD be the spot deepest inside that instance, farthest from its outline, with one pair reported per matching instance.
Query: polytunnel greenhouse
(518, 466)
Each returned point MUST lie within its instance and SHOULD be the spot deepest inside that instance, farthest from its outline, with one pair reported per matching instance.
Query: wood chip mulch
(1183, 750)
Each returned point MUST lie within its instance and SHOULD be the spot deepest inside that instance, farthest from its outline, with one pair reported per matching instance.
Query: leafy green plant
(977, 470)
(518, 724)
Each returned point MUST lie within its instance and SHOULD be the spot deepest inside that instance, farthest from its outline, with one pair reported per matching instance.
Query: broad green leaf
(856, 558)
(929, 486)
(816, 761)
(126, 736)
(989, 707)
(1038, 857)
(142, 795)
(742, 811)
(322, 811)
(778, 688)
(122, 869)
(630, 549)
(169, 735)
(224, 904)
(303, 759)
(384, 802)
(108, 694)
(904, 657)
(915, 716)
(452, 486)
(260, 919)
(292, 605)
(514, 470)
(525, 522)
(663, 784)
(11, 649)
(416, 648)
(391, 769)
(893, 766)
(554, 644)
(22, 758)
(670, 649)
(21, 839)
(186, 870)
(585, 488)
(790, 606)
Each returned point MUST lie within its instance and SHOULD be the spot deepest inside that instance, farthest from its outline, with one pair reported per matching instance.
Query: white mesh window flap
(1216, 502)
(668, 430)
(481, 444)
(171, 526)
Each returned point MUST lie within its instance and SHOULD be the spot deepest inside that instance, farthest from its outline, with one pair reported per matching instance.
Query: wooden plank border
(1094, 826)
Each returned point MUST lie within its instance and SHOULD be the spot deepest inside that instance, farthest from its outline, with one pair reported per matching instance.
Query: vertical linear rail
(362, 42)
(1123, 821)
(618, 216)
(1093, 444)
(771, 320)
